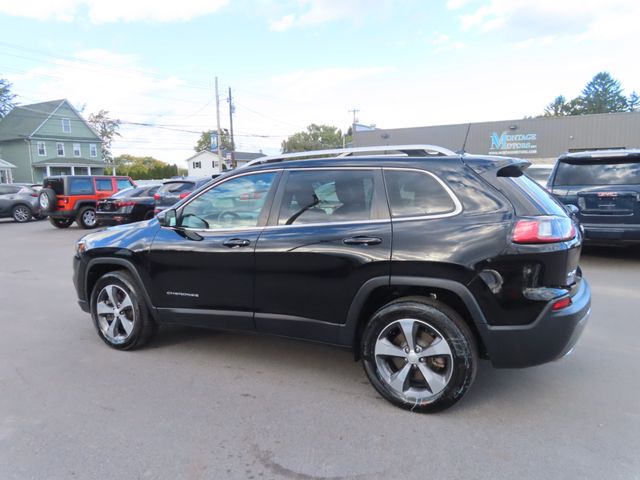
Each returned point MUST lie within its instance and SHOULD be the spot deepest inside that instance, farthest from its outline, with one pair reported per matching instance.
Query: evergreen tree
(603, 94)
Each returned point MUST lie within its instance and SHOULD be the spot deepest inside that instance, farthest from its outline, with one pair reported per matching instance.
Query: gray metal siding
(550, 136)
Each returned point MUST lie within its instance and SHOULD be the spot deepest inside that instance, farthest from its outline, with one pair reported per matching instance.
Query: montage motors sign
(513, 143)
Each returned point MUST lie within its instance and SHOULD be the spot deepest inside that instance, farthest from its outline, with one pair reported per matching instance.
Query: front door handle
(237, 242)
(362, 240)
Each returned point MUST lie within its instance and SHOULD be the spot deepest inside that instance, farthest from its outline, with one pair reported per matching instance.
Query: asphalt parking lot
(199, 404)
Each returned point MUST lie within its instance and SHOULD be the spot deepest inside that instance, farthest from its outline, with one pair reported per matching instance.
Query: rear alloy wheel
(61, 222)
(87, 218)
(119, 315)
(419, 354)
(21, 213)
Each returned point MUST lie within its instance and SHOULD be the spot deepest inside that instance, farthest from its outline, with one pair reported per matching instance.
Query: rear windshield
(130, 192)
(56, 184)
(598, 173)
(175, 187)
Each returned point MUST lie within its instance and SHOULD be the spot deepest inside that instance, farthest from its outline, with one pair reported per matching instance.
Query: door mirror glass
(168, 218)
(572, 209)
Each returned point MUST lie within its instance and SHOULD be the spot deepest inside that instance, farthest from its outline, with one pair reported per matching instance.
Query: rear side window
(123, 183)
(6, 190)
(80, 186)
(104, 184)
(528, 197)
(327, 196)
(598, 173)
(416, 194)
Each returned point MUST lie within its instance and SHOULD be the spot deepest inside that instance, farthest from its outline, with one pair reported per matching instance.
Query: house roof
(5, 164)
(71, 161)
(25, 120)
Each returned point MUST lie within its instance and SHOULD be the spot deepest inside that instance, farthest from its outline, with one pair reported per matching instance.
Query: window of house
(66, 125)
(197, 165)
(60, 149)
(93, 150)
(42, 149)
(416, 194)
(214, 164)
(327, 197)
(76, 149)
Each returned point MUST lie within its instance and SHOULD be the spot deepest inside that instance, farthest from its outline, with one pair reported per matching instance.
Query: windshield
(598, 173)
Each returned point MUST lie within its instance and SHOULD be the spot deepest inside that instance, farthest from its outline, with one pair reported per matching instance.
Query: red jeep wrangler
(74, 197)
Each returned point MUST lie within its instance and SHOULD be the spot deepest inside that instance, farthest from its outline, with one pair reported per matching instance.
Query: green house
(50, 138)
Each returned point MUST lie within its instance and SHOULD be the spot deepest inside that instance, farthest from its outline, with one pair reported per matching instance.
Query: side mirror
(572, 209)
(168, 218)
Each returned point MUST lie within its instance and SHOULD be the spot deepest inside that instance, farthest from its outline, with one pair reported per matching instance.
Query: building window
(66, 125)
(76, 149)
(60, 149)
(197, 165)
(214, 164)
(42, 149)
(93, 150)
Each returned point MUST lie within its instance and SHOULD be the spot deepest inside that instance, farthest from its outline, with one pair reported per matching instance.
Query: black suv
(421, 263)
(605, 186)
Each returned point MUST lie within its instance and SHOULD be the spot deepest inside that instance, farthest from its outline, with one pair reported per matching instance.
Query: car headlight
(81, 246)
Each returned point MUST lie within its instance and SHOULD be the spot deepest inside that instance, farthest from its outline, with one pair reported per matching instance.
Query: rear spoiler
(498, 166)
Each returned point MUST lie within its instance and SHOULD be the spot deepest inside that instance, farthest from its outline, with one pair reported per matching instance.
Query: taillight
(560, 304)
(125, 204)
(34, 195)
(156, 196)
(543, 230)
(183, 195)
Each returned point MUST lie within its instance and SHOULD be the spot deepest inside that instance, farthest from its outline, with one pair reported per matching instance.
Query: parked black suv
(605, 186)
(419, 263)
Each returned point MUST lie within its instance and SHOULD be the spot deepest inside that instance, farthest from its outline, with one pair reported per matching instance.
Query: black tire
(452, 373)
(87, 218)
(21, 213)
(61, 222)
(141, 328)
(47, 200)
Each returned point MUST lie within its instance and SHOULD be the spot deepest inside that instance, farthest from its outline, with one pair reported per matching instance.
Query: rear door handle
(362, 240)
(237, 242)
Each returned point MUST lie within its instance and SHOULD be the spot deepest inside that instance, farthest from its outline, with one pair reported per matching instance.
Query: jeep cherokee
(418, 259)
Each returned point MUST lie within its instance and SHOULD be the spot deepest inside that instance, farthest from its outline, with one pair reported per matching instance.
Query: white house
(205, 164)
(6, 176)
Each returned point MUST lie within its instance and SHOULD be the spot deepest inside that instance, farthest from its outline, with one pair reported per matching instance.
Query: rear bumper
(109, 219)
(611, 233)
(551, 336)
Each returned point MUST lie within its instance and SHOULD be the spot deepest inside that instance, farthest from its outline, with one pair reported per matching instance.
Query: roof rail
(415, 150)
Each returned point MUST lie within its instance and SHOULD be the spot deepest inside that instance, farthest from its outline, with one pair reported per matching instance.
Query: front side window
(60, 149)
(42, 149)
(66, 125)
(104, 184)
(93, 150)
(416, 194)
(76, 149)
(123, 183)
(327, 196)
(236, 203)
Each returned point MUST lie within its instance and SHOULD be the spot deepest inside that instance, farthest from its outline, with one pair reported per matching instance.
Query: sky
(290, 63)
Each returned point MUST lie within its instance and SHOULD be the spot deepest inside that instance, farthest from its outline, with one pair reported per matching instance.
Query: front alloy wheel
(121, 318)
(419, 354)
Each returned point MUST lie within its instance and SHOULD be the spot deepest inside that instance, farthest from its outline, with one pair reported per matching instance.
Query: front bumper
(551, 336)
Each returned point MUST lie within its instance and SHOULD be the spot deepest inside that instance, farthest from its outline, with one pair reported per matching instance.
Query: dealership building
(540, 140)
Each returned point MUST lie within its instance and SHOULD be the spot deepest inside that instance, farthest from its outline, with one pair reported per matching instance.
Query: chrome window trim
(456, 202)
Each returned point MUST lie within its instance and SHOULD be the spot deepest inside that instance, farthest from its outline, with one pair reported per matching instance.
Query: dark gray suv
(605, 186)
(18, 202)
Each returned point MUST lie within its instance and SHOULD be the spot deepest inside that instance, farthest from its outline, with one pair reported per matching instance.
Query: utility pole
(354, 111)
(219, 130)
(233, 144)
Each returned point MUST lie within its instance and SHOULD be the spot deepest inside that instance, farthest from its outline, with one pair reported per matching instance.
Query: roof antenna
(464, 144)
